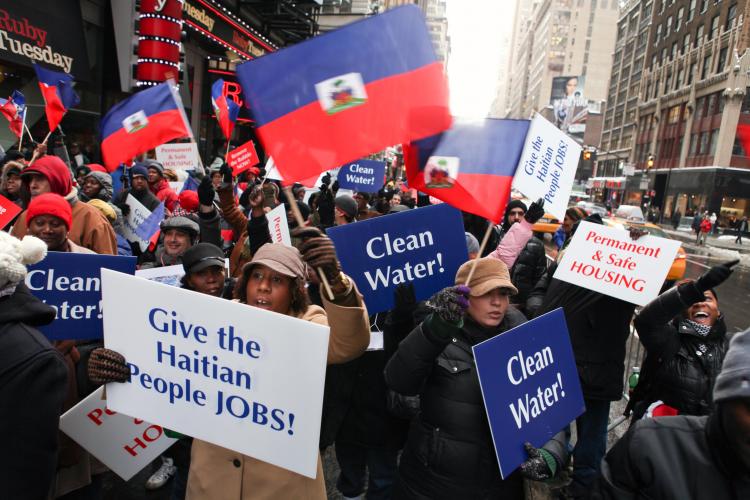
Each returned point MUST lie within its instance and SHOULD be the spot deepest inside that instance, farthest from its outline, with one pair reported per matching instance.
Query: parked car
(547, 224)
(593, 208)
(685, 224)
(629, 212)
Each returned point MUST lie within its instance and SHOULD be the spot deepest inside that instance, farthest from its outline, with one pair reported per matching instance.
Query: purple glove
(451, 303)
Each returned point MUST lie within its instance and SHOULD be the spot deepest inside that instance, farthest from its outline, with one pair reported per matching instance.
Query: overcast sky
(475, 28)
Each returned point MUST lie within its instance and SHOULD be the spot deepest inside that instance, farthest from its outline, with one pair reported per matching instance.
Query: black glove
(335, 186)
(125, 209)
(405, 301)
(535, 211)
(318, 251)
(206, 192)
(226, 173)
(715, 276)
(540, 466)
(450, 304)
(106, 365)
(325, 180)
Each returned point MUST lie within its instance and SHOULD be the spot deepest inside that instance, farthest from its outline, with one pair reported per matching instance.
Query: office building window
(699, 35)
(686, 44)
(704, 6)
(706, 67)
(668, 27)
(693, 144)
(714, 140)
(703, 146)
(710, 104)
(722, 59)
(690, 74)
(674, 50)
(731, 14)
(691, 10)
(714, 27)
(678, 19)
(668, 83)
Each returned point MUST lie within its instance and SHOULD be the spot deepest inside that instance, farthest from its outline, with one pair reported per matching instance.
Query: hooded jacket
(15, 198)
(106, 191)
(33, 377)
(165, 194)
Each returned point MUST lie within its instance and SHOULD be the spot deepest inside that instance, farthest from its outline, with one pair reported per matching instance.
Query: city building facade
(437, 23)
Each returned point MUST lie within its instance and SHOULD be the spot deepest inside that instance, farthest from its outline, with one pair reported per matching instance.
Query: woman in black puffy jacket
(684, 334)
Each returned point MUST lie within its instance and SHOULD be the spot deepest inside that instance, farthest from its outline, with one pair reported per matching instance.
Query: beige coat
(220, 474)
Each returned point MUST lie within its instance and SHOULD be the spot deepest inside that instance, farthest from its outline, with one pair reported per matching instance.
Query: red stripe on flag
(121, 146)
(310, 141)
(53, 106)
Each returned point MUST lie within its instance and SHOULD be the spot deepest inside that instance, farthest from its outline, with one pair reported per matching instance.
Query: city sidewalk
(720, 242)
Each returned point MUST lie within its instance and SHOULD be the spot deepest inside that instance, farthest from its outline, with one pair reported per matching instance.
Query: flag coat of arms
(14, 109)
(225, 109)
(58, 93)
(340, 96)
(146, 120)
(470, 166)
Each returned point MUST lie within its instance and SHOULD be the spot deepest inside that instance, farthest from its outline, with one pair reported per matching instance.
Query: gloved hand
(226, 173)
(335, 186)
(325, 180)
(715, 276)
(450, 303)
(405, 301)
(318, 251)
(125, 209)
(535, 211)
(206, 192)
(106, 365)
(540, 466)
(636, 233)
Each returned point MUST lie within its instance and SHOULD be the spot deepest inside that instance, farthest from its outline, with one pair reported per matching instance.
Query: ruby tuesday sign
(608, 261)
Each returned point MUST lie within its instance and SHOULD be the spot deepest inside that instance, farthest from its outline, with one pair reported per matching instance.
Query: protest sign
(607, 260)
(365, 176)
(168, 275)
(71, 284)
(529, 385)
(180, 156)
(242, 158)
(278, 226)
(141, 224)
(177, 186)
(424, 247)
(241, 377)
(8, 210)
(548, 166)
(124, 444)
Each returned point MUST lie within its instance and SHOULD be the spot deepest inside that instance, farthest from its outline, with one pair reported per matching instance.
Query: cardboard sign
(366, 176)
(548, 166)
(8, 210)
(242, 158)
(181, 156)
(240, 377)
(124, 444)
(607, 260)
(71, 283)
(141, 224)
(530, 386)
(278, 226)
(425, 246)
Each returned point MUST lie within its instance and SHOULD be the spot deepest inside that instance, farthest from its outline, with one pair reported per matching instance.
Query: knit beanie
(155, 165)
(189, 201)
(734, 379)
(50, 204)
(512, 204)
(472, 244)
(347, 204)
(95, 167)
(54, 170)
(15, 255)
(138, 169)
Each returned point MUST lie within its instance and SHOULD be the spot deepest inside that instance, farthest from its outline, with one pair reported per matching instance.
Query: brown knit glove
(106, 365)
(318, 251)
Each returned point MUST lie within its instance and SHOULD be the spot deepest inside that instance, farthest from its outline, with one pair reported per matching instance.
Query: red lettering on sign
(233, 90)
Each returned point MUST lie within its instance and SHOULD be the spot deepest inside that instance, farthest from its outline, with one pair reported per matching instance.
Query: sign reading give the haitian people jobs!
(234, 375)
(530, 386)
(609, 261)
(242, 158)
(71, 284)
(178, 156)
(124, 444)
(548, 166)
(424, 246)
(365, 176)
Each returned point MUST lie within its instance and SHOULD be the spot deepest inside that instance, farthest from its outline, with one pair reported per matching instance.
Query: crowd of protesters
(406, 421)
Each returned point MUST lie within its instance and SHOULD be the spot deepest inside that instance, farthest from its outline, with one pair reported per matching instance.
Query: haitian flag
(340, 96)
(471, 166)
(14, 109)
(147, 119)
(58, 93)
(225, 109)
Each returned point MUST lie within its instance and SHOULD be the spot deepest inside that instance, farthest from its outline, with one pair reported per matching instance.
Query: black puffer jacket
(680, 458)
(681, 366)
(449, 451)
(33, 383)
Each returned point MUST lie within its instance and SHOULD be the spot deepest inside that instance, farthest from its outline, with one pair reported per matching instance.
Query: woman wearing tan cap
(449, 452)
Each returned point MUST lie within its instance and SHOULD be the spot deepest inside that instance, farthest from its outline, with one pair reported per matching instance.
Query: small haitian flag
(343, 95)
(14, 109)
(226, 109)
(471, 166)
(145, 120)
(58, 93)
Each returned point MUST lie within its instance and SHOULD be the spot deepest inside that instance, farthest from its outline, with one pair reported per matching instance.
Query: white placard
(278, 226)
(607, 260)
(240, 377)
(548, 166)
(138, 214)
(376, 341)
(169, 275)
(124, 444)
(182, 155)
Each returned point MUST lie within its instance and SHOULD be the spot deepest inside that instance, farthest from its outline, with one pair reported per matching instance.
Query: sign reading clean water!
(425, 247)
(530, 386)
(365, 176)
(71, 284)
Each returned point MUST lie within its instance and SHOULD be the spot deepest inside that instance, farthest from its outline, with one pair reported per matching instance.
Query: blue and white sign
(424, 246)
(365, 176)
(71, 283)
(530, 386)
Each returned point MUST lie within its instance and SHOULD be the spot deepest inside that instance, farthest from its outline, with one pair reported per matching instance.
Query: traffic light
(650, 162)
(586, 155)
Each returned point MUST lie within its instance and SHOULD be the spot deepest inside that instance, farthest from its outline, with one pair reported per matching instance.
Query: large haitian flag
(340, 96)
(146, 120)
(470, 166)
